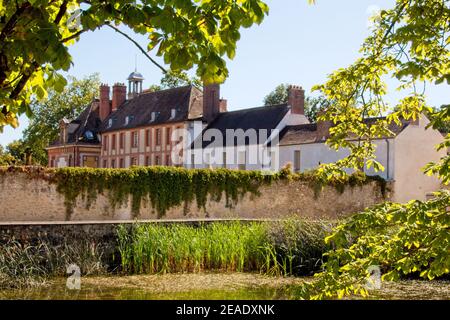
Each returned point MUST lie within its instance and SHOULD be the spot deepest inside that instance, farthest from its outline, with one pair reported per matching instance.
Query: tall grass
(286, 248)
(24, 265)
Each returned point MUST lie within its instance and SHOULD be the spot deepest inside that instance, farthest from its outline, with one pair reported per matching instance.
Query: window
(297, 161)
(70, 160)
(158, 137)
(52, 162)
(147, 160)
(168, 160)
(122, 140)
(105, 143)
(113, 142)
(134, 161)
(168, 136)
(121, 163)
(105, 163)
(113, 163)
(147, 138)
(134, 139)
(157, 162)
(224, 159)
(89, 135)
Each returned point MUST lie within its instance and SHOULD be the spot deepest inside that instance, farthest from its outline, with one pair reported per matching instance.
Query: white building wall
(414, 148)
(202, 156)
(314, 154)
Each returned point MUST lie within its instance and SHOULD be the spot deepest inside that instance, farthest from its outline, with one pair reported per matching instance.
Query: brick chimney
(104, 104)
(223, 105)
(211, 101)
(119, 95)
(296, 99)
(323, 128)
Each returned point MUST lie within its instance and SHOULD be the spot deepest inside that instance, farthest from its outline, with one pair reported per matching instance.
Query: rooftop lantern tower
(134, 84)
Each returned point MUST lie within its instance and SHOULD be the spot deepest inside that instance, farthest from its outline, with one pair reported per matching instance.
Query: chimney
(296, 99)
(104, 104)
(323, 128)
(223, 105)
(119, 95)
(211, 101)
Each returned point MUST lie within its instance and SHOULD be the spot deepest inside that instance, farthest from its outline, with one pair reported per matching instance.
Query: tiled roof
(307, 133)
(187, 102)
(267, 117)
(87, 121)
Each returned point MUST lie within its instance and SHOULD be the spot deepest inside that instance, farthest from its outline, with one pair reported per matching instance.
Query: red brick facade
(143, 130)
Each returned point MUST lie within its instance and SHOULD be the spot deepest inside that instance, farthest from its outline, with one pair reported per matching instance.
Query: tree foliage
(35, 35)
(44, 124)
(409, 44)
(278, 95)
(173, 79)
(13, 155)
(400, 239)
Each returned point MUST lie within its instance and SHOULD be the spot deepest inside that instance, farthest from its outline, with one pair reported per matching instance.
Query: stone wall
(24, 198)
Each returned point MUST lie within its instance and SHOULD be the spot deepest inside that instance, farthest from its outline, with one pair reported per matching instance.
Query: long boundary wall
(24, 198)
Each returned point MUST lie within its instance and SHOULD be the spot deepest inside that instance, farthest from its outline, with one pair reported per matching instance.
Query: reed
(290, 247)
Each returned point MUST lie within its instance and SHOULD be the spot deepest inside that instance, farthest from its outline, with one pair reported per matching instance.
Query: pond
(220, 286)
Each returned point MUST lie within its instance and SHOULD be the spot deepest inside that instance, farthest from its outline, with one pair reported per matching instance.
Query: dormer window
(153, 116)
(89, 135)
(110, 122)
(128, 120)
(173, 113)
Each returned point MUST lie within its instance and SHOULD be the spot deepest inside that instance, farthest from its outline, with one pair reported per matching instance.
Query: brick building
(138, 128)
(79, 140)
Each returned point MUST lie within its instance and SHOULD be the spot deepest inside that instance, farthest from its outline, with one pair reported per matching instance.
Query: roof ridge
(163, 90)
(254, 108)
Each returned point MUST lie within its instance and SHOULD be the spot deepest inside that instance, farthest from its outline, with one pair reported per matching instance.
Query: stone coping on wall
(162, 221)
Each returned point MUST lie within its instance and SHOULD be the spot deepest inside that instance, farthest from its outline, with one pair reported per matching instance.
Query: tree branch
(138, 46)
(61, 12)
(9, 26)
(73, 36)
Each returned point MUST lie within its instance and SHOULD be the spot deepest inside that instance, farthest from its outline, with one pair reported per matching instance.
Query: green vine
(162, 187)
(357, 179)
(167, 187)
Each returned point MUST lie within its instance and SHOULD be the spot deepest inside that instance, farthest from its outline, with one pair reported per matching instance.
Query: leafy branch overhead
(35, 35)
(409, 45)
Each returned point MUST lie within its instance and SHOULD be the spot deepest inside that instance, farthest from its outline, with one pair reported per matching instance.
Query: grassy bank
(290, 247)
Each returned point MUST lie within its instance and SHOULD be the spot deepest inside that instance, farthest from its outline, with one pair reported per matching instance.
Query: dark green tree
(278, 95)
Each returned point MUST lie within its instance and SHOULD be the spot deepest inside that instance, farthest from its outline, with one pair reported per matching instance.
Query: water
(233, 286)
(90, 293)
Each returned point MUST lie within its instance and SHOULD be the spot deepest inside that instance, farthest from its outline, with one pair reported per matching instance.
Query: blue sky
(297, 43)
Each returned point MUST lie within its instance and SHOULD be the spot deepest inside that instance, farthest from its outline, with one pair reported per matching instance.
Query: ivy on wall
(167, 187)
